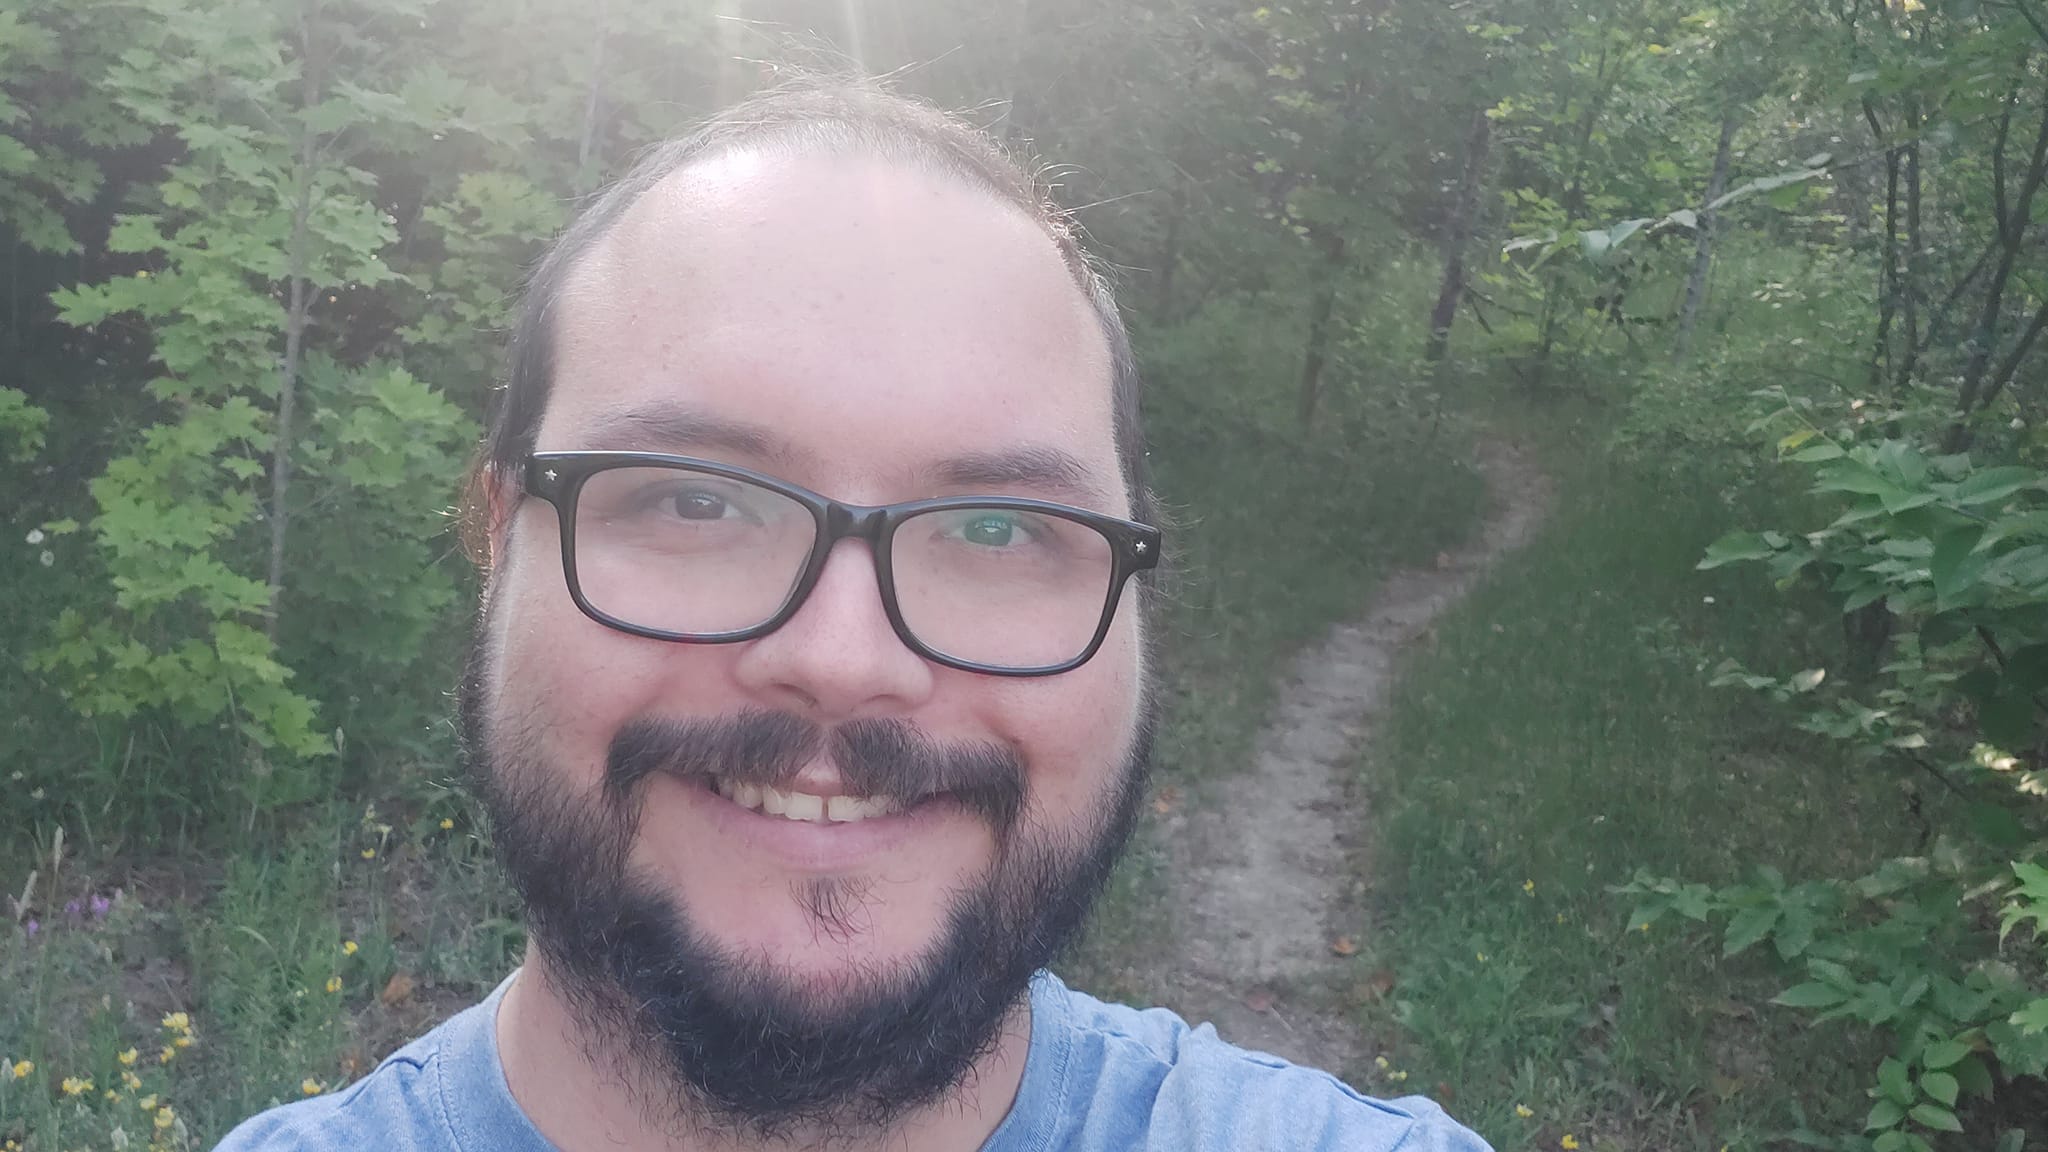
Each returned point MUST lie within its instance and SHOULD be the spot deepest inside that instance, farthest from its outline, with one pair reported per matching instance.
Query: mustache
(875, 757)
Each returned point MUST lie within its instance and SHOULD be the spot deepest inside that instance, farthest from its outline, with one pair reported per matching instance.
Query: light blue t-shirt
(1099, 1078)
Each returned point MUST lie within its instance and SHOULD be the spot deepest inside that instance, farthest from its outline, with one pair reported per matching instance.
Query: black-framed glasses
(677, 548)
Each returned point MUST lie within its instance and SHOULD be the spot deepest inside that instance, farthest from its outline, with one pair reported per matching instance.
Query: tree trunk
(1703, 246)
(1909, 291)
(300, 301)
(1316, 355)
(593, 103)
(2012, 232)
(1458, 236)
(1888, 271)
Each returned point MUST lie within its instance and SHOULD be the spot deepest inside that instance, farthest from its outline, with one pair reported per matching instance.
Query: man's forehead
(838, 303)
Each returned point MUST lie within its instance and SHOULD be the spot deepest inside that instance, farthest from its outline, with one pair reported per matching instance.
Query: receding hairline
(851, 144)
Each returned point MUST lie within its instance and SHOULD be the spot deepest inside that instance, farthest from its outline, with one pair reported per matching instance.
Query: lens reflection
(1001, 586)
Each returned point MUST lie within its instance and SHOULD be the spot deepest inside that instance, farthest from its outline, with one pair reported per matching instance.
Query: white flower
(48, 558)
(35, 535)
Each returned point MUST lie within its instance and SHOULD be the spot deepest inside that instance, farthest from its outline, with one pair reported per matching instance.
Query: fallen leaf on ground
(396, 990)
(1343, 946)
(1165, 801)
(1374, 987)
(1259, 1000)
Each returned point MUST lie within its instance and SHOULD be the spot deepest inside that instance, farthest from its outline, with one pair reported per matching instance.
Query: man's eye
(991, 531)
(698, 505)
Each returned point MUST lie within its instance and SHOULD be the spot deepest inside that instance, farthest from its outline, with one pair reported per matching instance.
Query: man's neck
(581, 1105)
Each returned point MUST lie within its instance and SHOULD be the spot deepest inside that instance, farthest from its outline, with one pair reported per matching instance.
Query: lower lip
(804, 845)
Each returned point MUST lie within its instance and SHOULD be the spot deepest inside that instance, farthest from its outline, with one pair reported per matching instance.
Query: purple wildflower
(99, 905)
(32, 927)
(71, 909)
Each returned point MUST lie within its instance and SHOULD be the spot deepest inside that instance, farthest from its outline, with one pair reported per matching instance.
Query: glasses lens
(688, 552)
(1001, 586)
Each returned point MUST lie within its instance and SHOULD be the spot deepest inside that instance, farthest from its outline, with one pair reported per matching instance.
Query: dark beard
(728, 1045)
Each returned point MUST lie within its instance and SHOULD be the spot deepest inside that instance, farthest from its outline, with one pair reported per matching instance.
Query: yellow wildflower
(1560, 917)
(348, 947)
(369, 853)
(178, 1022)
(182, 1042)
(447, 823)
(1524, 1111)
(1397, 1076)
(165, 1118)
(22, 1068)
(147, 1103)
(1570, 1143)
(127, 1058)
(131, 1081)
(164, 1056)
(73, 1086)
(1380, 1062)
(112, 1095)
(1481, 955)
(334, 983)
(309, 1086)
(1529, 886)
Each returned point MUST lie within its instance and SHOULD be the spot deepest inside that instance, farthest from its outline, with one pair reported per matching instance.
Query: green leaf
(1599, 245)
(1936, 1117)
(1973, 1075)
(1747, 927)
(1948, 567)
(2033, 1018)
(1943, 1054)
(1885, 1114)
(1941, 1086)
(1735, 548)
(1995, 484)
(1766, 184)
(1817, 454)
(1896, 1082)
(1810, 995)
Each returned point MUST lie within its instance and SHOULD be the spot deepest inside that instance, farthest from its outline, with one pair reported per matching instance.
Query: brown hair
(834, 115)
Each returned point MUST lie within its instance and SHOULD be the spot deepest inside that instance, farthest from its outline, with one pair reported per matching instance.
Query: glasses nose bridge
(855, 521)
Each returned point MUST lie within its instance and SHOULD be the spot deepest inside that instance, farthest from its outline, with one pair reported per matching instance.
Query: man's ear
(499, 489)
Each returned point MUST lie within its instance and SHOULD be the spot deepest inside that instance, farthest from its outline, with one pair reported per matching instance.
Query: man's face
(861, 329)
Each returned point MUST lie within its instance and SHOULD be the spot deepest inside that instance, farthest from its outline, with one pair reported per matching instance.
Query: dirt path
(1260, 885)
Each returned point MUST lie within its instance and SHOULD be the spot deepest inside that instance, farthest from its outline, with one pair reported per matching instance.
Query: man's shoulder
(395, 1106)
(1144, 1078)
(402, 1105)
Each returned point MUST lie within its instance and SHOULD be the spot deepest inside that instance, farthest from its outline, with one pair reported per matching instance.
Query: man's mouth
(806, 807)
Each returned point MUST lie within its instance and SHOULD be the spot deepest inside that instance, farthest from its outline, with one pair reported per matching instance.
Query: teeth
(806, 806)
(846, 809)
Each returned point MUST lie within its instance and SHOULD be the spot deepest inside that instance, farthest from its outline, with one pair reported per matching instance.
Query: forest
(1716, 817)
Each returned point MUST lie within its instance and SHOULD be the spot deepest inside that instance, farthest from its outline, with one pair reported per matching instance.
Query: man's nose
(838, 658)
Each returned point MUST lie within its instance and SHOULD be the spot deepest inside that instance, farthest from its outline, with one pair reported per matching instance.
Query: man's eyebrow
(1030, 466)
(670, 428)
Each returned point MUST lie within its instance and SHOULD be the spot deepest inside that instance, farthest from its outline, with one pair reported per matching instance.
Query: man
(810, 695)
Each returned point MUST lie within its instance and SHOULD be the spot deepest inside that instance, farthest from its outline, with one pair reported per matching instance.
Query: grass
(1557, 733)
